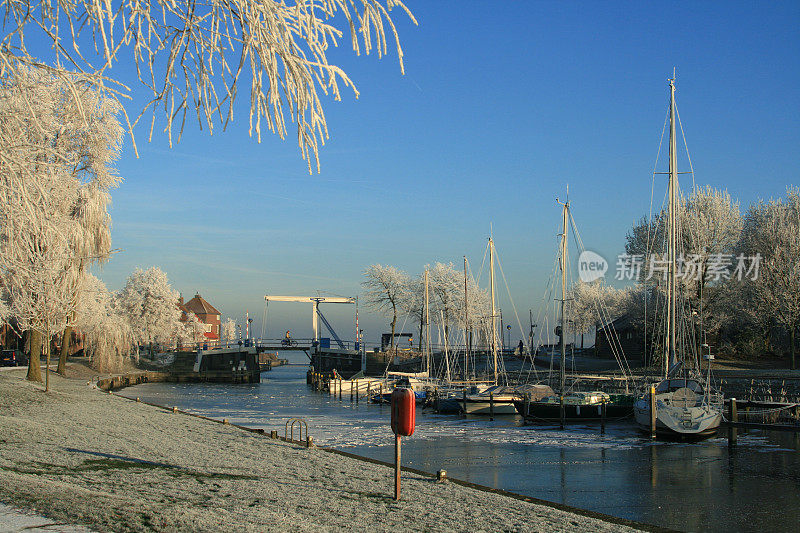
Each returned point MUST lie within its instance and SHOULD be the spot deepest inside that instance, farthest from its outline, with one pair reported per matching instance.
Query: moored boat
(683, 409)
(578, 406)
(497, 399)
(682, 404)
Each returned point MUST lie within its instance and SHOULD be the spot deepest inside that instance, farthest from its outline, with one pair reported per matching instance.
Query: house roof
(620, 323)
(199, 306)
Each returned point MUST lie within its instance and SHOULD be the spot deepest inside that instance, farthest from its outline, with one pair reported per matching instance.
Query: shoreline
(100, 460)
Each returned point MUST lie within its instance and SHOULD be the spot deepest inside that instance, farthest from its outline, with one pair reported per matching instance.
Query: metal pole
(315, 319)
(493, 317)
(466, 323)
(672, 236)
(397, 467)
(427, 329)
(563, 365)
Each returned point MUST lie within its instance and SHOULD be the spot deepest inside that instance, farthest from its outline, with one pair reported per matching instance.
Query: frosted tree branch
(193, 56)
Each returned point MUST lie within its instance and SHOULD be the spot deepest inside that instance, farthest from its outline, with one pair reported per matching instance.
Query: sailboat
(538, 405)
(498, 398)
(682, 404)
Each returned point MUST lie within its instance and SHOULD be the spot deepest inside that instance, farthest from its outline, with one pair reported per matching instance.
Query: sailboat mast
(563, 305)
(427, 329)
(493, 317)
(466, 324)
(672, 233)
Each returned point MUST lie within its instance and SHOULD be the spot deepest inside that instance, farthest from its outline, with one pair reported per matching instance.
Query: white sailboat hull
(360, 385)
(701, 421)
(480, 405)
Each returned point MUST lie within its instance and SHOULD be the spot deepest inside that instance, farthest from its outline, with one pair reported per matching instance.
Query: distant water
(690, 487)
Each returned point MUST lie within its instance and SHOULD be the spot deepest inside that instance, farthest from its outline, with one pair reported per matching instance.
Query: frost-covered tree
(446, 288)
(385, 289)
(413, 302)
(151, 307)
(592, 304)
(193, 58)
(229, 331)
(58, 141)
(647, 236)
(772, 229)
(446, 298)
(108, 339)
(192, 330)
(710, 224)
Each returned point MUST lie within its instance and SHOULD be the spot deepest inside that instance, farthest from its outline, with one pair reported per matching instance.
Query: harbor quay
(83, 457)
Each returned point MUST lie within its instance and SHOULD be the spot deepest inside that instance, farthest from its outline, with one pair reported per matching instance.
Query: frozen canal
(690, 487)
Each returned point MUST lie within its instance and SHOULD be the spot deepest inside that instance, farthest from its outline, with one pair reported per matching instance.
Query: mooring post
(491, 406)
(734, 416)
(464, 401)
(397, 467)
(369, 391)
(309, 441)
(351, 388)
(402, 423)
(603, 417)
(652, 411)
(526, 405)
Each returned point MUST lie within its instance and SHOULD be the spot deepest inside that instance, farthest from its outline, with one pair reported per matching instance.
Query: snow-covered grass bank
(85, 457)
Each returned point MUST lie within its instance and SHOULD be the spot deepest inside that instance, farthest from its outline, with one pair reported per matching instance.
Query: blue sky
(503, 104)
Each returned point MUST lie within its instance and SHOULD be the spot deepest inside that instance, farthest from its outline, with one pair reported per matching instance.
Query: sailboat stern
(679, 414)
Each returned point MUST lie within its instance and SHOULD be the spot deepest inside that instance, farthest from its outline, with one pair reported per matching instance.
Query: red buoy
(403, 412)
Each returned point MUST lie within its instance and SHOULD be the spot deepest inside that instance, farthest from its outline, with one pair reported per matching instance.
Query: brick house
(205, 312)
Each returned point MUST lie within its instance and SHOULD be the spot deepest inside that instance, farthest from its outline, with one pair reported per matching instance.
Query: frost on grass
(119, 465)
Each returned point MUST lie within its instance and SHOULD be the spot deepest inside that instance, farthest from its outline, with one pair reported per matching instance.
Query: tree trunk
(66, 339)
(34, 364)
(792, 346)
(394, 321)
